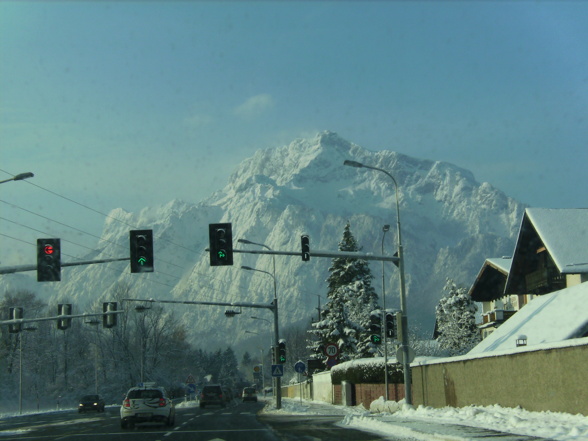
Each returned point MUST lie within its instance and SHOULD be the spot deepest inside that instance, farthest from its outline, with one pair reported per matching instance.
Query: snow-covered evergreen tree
(345, 320)
(456, 320)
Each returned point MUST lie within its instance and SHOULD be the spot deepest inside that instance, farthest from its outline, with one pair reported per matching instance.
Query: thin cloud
(254, 106)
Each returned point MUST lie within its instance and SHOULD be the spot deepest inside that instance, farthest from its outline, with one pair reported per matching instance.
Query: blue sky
(133, 104)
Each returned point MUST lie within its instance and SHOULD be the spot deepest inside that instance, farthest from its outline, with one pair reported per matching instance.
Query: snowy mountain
(450, 224)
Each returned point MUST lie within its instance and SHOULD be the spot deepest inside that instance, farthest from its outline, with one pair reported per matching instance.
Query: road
(236, 422)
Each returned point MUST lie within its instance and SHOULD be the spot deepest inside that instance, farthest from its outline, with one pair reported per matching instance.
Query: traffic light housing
(141, 242)
(376, 327)
(221, 244)
(109, 320)
(14, 314)
(48, 260)
(390, 325)
(305, 242)
(282, 352)
(64, 309)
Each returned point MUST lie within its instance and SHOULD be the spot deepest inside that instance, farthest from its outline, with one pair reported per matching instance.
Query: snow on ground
(389, 417)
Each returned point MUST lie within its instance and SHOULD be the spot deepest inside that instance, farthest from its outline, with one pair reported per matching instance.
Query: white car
(147, 404)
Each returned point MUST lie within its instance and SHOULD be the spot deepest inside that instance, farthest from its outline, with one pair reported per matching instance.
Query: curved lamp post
(19, 177)
(278, 382)
(385, 229)
(405, 358)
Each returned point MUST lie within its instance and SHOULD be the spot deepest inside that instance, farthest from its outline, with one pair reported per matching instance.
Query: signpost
(300, 367)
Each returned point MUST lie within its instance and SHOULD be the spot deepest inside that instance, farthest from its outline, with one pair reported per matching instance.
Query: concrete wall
(537, 380)
(322, 387)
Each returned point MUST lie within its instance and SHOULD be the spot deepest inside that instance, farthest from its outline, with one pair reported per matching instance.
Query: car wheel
(201, 406)
(170, 421)
(123, 424)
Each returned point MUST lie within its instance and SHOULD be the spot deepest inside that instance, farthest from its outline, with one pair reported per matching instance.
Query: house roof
(563, 233)
(550, 318)
(490, 282)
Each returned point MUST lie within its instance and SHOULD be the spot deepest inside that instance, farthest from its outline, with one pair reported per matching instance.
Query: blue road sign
(277, 370)
(191, 388)
(300, 367)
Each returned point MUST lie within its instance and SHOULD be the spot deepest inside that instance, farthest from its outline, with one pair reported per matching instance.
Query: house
(551, 253)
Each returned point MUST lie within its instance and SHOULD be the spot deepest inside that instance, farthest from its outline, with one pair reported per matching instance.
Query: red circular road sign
(331, 350)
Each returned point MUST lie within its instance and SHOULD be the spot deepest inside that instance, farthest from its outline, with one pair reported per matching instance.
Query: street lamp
(95, 322)
(141, 309)
(404, 343)
(278, 382)
(30, 328)
(385, 229)
(19, 177)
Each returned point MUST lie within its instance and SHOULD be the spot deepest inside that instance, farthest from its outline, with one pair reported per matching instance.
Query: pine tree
(345, 319)
(456, 321)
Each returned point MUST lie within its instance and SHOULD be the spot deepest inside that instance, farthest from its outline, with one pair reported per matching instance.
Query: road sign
(331, 350)
(331, 362)
(191, 388)
(400, 355)
(300, 367)
(277, 370)
(190, 379)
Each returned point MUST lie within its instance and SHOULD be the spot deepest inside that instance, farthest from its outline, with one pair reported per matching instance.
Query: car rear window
(145, 393)
(212, 389)
(90, 398)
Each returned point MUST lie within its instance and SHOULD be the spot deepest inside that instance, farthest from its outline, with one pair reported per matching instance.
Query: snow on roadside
(550, 425)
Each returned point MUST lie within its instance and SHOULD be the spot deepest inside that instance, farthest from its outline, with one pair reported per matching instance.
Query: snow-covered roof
(565, 235)
(502, 264)
(550, 318)
(490, 281)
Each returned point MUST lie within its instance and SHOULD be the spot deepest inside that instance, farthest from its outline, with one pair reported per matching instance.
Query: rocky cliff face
(450, 223)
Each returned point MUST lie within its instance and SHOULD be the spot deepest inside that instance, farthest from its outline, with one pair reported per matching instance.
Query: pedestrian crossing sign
(277, 370)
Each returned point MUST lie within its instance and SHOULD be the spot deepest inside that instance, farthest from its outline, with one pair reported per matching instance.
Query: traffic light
(305, 242)
(64, 309)
(48, 260)
(141, 242)
(390, 325)
(282, 352)
(15, 314)
(376, 327)
(221, 244)
(109, 320)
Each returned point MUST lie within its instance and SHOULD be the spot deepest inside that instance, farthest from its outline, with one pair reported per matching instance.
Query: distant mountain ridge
(450, 224)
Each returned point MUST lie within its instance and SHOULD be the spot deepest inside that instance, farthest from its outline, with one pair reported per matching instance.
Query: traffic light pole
(24, 268)
(272, 306)
(59, 317)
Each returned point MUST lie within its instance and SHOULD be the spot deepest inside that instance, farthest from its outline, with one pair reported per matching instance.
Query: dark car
(91, 402)
(212, 394)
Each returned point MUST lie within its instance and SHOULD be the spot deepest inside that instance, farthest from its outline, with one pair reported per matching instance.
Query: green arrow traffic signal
(376, 339)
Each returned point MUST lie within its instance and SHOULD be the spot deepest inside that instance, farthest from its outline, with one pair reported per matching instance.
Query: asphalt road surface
(236, 422)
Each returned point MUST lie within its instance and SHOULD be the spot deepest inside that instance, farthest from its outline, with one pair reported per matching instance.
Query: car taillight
(220, 396)
(162, 402)
(127, 403)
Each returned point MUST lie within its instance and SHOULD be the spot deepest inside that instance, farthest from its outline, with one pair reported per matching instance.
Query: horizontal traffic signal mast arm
(23, 268)
(190, 302)
(319, 253)
(59, 317)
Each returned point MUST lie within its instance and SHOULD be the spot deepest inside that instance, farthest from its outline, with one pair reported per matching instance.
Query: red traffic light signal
(48, 260)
